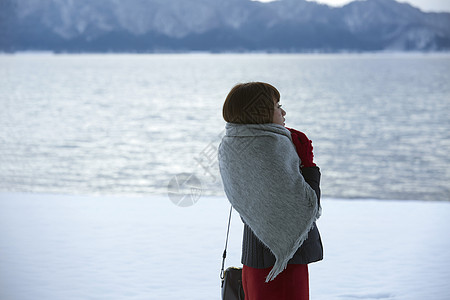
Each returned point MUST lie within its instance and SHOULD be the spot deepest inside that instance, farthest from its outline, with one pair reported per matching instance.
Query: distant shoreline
(318, 53)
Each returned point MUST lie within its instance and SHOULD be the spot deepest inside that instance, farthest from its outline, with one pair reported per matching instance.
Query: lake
(128, 123)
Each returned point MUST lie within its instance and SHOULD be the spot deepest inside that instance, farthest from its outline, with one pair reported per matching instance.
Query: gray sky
(425, 5)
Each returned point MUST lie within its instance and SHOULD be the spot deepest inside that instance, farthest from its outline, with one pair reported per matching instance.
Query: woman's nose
(283, 112)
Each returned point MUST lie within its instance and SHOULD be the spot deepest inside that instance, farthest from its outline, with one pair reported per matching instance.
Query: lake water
(127, 124)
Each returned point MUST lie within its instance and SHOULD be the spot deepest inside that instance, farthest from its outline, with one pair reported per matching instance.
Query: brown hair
(250, 103)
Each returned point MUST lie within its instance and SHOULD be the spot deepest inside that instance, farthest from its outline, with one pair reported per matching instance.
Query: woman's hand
(304, 148)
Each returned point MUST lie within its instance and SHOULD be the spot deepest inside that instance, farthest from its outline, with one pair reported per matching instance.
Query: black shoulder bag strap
(226, 244)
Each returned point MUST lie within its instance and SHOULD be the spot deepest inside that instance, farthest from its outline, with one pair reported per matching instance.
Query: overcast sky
(425, 5)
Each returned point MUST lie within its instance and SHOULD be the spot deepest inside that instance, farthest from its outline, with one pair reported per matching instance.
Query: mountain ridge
(218, 26)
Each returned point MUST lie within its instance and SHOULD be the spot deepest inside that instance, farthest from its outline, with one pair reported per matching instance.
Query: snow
(106, 247)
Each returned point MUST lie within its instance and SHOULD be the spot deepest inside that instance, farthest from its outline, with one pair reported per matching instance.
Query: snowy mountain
(218, 25)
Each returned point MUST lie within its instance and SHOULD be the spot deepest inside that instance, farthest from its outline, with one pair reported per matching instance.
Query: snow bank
(87, 247)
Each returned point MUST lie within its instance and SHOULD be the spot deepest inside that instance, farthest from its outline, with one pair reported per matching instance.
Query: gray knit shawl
(261, 176)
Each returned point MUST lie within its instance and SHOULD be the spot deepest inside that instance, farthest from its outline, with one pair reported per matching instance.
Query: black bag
(232, 277)
(232, 284)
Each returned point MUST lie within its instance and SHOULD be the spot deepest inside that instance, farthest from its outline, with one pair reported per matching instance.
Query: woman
(270, 179)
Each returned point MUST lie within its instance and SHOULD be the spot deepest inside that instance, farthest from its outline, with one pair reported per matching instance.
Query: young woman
(270, 179)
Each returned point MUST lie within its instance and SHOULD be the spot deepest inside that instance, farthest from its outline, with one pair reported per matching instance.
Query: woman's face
(278, 114)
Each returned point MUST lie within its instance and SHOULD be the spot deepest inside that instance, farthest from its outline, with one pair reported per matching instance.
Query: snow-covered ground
(56, 247)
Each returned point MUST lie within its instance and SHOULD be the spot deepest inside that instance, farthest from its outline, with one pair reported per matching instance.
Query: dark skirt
(292, 283)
